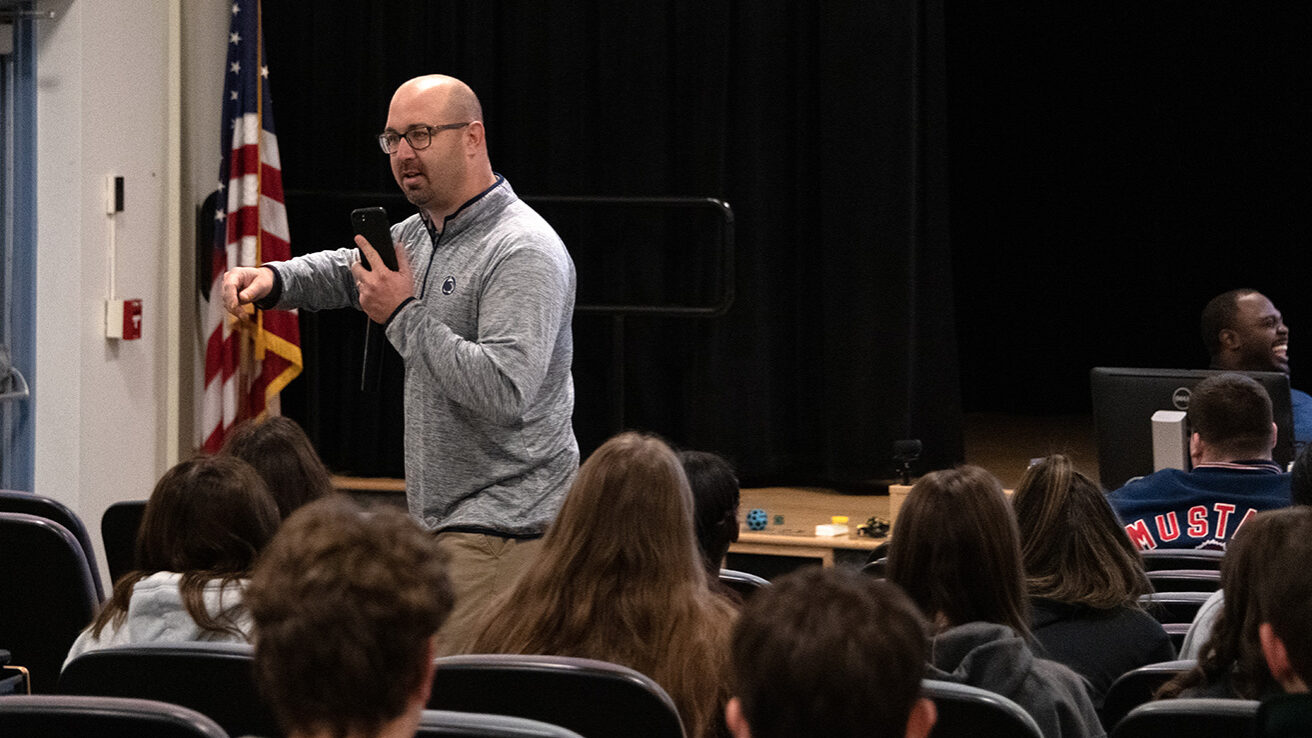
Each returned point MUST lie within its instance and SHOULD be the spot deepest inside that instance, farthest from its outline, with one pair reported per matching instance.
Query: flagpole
(257, 347)
(248, 362)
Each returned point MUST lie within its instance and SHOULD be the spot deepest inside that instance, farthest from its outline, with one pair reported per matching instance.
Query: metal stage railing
(724, 288)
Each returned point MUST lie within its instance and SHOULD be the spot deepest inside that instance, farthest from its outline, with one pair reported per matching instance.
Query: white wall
(205, 52)
(105, 408)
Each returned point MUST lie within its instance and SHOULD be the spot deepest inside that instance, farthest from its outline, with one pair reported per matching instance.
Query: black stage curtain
(821, 124)
(1113, 167)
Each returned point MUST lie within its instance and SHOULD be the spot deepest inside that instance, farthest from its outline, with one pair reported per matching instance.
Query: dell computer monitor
(1124, 401)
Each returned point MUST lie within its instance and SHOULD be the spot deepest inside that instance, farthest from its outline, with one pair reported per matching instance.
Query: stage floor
(1005, 444)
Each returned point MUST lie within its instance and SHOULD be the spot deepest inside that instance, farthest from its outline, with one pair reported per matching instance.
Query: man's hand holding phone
(380, 289)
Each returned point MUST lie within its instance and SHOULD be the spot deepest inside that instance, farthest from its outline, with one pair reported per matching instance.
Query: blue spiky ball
(756, 519)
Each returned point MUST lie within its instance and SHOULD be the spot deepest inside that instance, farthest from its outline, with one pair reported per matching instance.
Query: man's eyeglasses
(419, 137)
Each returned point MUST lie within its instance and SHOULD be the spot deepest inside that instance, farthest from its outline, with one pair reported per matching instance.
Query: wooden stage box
(803, 508)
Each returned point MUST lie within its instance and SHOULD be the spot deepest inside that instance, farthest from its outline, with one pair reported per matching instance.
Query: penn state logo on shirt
(448, 285)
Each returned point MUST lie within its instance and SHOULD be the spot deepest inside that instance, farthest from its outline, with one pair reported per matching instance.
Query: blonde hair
(1073, 547)
(620, 579)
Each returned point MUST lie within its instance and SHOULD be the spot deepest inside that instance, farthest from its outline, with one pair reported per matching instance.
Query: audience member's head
(619, 578)
(1300, 478)
(1073, 548)
(1243, 331)
(1284, 597)
(1233, 652)
(956, 551)
(1230, 418)
(715, 504)
(830, 652)
(281, 452)
(207, 519)
(346, 604)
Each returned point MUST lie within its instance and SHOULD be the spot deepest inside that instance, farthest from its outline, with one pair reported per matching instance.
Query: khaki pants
(481, 566)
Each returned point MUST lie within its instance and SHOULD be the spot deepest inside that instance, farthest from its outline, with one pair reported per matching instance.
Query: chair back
(1175, 611)
(877, 568)
(1185, 580)
(1136, 687)
(964, 710)
(744, 583)
(118, 531)
(47, 595)
(13, 679)
(1196, 718)
(879, 552)
(593, 698)
(214, 679)
(448, 724)
(1181, 558)
(40, 716)
(52, 509)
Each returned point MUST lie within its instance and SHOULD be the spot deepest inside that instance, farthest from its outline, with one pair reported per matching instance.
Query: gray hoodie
(993, 657)
(156, 615)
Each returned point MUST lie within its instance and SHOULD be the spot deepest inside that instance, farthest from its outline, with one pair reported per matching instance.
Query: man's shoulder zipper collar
(436, 234)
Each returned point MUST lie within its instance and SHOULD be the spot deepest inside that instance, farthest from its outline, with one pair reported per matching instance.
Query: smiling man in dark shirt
(1244, 332)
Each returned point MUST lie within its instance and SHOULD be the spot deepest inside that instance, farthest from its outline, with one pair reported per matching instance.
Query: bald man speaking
(479, 309)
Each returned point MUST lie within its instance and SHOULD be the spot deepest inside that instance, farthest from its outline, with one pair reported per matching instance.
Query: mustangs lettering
(1208, 525)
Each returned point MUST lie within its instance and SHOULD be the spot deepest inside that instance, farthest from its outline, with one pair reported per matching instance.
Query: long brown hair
(1233, 649)
(1073, 548)
(284, 457)
(208, 518)
(956, 550)
(620, 579)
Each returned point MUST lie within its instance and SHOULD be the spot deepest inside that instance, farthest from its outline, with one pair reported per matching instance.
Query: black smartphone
(372, 224)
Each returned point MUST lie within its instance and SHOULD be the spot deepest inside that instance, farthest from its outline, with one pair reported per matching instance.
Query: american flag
(247, 364)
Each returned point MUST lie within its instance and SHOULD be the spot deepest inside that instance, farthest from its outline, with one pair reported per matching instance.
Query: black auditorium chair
(1175, 611)
(1185, 580)
(964, 710)
(47, 595)
(13, 679)
(52, 509)
(1181, 558)
(878, 552)
(118, 531)
(877, 568)
(1195, 718)
(214, 679)
(1136, 687)
(449, 724)
(41, 716)
(742, 582)
(593, 698)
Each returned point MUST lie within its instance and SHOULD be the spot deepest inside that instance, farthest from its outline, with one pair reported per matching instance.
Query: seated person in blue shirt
(1244, 332)
(1233, 476)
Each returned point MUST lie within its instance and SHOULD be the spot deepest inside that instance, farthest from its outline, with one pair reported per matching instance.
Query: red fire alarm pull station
(123, 319)
(131, 320)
